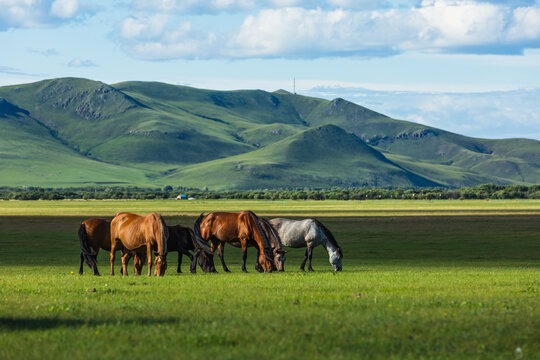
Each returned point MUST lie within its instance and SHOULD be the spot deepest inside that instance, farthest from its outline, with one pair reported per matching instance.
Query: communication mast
(294, 85)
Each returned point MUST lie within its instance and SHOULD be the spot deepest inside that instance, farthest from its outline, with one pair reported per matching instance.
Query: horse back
(221, 225)
(295, 233)
(127, 228)
(98, 233)
(179, 238)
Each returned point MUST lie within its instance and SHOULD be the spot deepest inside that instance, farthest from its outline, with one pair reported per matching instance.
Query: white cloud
(42, 13)
(64, 9)
(452, 26)
(78, 62)
(219, 6)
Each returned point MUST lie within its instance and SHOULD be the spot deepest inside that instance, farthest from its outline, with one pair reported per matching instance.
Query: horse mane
(275, 236)
(267, 247)
(89, 258)
(329, 235)
(198, 242)
(164, 232)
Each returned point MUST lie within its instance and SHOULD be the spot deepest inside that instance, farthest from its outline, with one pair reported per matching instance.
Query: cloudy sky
(472, 67)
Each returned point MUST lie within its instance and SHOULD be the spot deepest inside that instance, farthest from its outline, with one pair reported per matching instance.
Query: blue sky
(472, 67)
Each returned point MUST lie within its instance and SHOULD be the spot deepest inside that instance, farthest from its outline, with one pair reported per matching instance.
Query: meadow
(421, 280)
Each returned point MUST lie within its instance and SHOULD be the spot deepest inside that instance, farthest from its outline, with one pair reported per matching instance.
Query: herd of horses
(141, 237)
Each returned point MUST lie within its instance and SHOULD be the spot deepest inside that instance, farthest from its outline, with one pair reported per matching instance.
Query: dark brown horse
(140, 234)
(95, 234)
(183, 240)
(229, 227)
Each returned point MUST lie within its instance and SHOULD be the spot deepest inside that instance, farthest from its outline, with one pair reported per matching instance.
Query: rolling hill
(72, 131)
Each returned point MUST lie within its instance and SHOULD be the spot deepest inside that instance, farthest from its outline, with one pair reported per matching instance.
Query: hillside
(73, 131)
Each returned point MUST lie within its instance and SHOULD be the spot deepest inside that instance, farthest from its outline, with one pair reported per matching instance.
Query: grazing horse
(308, 233)
(278, 254)
(275, 245)
(243, 227)
(140, 234)
(95, 234)
(182, 239)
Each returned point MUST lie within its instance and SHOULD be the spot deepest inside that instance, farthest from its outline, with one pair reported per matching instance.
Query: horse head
(279, 259)
(161, 264)
(335, 259)
(266, 259)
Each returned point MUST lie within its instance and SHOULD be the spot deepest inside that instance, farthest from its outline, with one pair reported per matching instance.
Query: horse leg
(96, 272)
(81, 265)
(192, 264)
(112, 255)
(149, 254)
(179, 268)
(305, 259)
(310, 254)
(244, 256)
(258, 266)
(221, 249)
(125, 258)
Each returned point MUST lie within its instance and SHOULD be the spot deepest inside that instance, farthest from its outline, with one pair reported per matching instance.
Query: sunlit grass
(278, 207)
(412, 287)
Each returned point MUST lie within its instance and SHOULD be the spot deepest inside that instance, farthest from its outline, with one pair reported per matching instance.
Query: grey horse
(308, 233)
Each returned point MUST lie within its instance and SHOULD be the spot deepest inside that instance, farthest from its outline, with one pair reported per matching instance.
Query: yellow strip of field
(340, 208)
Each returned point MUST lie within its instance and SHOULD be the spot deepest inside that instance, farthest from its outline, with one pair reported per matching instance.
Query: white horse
(308, 233)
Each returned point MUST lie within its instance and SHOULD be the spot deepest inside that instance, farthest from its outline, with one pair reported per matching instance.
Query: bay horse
(140, 234)
(231, 227)
(94, 234)
(308, 233)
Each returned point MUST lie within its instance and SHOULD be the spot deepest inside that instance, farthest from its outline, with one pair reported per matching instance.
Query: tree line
(487, 191)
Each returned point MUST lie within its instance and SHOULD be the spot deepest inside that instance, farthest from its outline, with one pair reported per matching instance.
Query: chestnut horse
(243, 227)
(278, 254)
(141, 234)
(183, 240)
(275, 243)
(95, 234)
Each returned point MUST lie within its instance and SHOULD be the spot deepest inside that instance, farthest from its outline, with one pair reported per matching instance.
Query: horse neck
(327, 244)
(257, 231)
(162, 243)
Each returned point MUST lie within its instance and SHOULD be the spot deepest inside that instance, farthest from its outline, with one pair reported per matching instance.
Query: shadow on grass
(13, 323)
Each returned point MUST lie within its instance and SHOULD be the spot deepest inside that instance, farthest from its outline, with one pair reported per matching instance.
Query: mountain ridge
(169, 133)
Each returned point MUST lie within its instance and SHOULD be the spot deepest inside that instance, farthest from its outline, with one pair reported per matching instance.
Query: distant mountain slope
(323, 156)
(31, 155)
(166, 134)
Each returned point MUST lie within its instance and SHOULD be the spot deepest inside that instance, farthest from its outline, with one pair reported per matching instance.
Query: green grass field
(421, 280)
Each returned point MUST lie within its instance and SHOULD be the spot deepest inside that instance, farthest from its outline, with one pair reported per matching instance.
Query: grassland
(421, 280)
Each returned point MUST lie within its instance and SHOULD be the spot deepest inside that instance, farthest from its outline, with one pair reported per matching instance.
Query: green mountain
(70, 131)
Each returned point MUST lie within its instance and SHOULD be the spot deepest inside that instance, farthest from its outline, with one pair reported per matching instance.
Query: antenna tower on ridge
(294, 85)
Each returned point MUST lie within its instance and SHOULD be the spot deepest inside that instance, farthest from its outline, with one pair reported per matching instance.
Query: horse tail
(197, 226)
(266, 243)
(329, 236)
(88, 256)
(199, 243)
